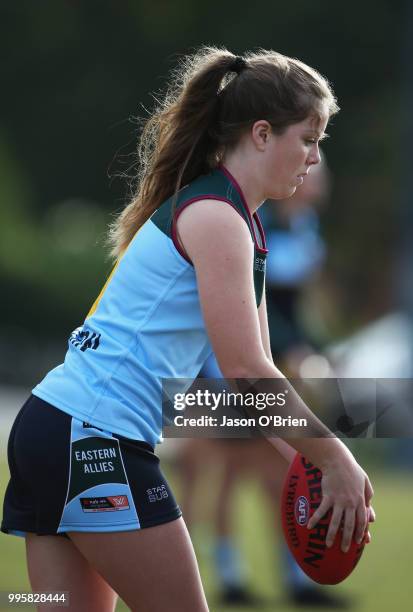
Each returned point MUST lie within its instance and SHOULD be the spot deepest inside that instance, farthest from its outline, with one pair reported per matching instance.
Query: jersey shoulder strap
(212, 186)
(219, 184)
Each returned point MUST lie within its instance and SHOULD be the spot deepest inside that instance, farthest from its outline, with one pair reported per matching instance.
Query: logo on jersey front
(83, 340)
(259, 264)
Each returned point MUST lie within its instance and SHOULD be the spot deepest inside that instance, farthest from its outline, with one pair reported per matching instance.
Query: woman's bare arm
(265, 332)
(219, 245)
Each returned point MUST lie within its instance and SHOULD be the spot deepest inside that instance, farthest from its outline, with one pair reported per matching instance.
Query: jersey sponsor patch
(109, 503)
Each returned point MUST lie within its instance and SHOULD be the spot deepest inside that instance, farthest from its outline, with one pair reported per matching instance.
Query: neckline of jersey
(254, 216)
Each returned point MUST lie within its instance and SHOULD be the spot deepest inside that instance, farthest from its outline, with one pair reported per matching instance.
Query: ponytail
(213, 98)
(177, 143)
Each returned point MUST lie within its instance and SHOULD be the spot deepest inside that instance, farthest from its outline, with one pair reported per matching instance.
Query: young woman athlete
(86, 490)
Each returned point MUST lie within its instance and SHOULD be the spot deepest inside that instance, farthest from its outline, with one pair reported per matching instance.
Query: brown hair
(213, 98)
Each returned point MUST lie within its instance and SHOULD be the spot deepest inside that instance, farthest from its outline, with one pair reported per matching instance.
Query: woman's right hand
(347, 490)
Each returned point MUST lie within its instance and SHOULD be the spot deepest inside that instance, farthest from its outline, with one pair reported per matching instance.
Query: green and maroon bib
(218, 185)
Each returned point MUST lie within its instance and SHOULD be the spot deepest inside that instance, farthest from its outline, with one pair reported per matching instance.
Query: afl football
(300, 498)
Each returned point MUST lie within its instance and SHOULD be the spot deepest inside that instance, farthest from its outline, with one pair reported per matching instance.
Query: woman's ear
(260, 133)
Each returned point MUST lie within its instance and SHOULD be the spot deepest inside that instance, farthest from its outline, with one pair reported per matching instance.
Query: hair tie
(238, 64)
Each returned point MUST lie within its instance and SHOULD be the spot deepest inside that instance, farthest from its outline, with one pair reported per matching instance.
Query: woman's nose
(315, 156)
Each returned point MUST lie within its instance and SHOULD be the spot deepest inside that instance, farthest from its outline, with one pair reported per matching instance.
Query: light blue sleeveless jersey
(146, 324)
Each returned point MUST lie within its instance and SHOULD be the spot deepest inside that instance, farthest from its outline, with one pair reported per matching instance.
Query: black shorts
(67, 475)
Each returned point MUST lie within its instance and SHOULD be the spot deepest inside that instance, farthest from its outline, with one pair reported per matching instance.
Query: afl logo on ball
(301, 510)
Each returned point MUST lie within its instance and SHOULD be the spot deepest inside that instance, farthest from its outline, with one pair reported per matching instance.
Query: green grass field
(381, 582)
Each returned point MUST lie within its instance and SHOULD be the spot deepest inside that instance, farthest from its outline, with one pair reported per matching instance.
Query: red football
(301, 497)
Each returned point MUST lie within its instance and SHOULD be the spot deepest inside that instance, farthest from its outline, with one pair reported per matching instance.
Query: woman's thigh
(55, 564)
(152, 569)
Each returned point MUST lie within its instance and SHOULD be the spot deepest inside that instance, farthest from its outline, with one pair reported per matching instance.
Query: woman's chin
(291, 191)
(285, 193)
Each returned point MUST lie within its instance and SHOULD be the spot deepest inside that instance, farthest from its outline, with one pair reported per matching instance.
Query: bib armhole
(262, 246)
(253, 221)
(174, 233)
